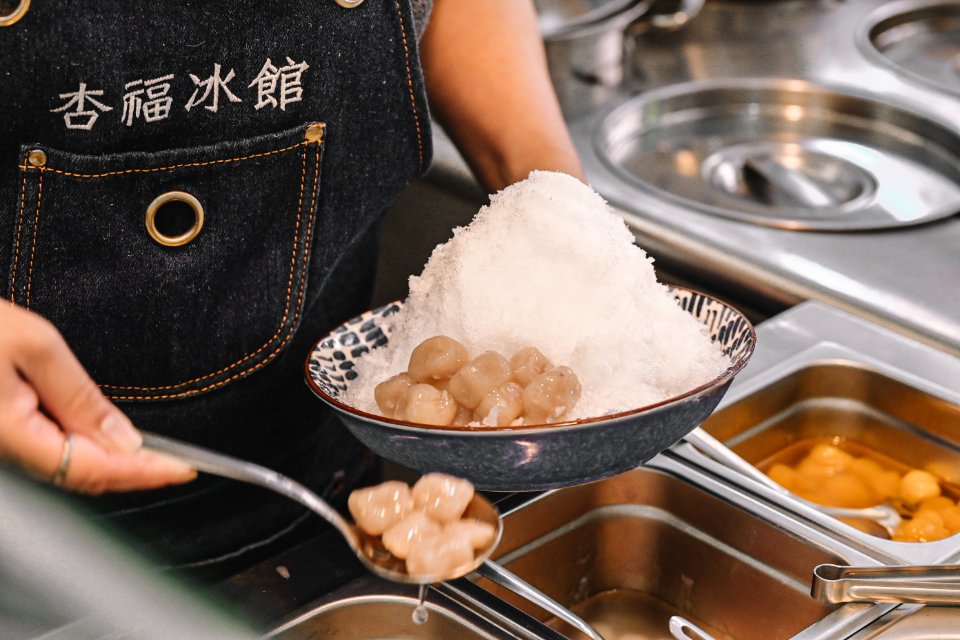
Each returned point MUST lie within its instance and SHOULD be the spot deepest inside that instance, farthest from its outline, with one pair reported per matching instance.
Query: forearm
(489, 88)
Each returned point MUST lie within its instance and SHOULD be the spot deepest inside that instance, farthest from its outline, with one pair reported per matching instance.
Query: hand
(46, 396)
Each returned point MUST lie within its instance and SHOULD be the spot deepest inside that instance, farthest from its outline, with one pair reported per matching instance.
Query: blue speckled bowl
(533, 457)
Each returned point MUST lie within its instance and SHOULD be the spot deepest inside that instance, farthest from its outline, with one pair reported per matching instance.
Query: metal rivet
(315, 132)
(37, 158)
(183, 238)
(349, 4)
(19, 11)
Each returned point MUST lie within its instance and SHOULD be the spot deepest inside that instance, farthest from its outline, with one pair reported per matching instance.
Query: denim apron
(190, 192)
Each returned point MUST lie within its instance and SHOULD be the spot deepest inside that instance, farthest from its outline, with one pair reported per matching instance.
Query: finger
(94, 470)
(64, 388)
(27, 437)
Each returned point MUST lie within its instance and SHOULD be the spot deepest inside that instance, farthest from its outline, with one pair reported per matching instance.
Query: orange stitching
(286, 310)
(267, 359)
(16, 246)
(173, 166)
(306, 249)
(33, 249)
(309, 238)
(413, 104)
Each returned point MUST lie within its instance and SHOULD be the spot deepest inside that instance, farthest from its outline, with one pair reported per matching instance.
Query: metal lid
(785, 153)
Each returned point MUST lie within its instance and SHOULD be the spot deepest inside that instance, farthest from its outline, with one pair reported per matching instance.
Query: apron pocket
(169, 273)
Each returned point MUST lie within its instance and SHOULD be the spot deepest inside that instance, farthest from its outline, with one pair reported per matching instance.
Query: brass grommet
(315, 132)
(183, 238)
(349, 4)
(14, 16)
(36, 158)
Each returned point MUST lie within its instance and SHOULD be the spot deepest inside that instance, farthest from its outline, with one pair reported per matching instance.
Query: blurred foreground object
(61, 577)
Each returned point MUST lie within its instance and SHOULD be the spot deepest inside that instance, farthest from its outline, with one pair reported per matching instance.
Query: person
(190, 198)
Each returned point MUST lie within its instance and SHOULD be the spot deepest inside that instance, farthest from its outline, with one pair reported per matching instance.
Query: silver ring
(61, 473)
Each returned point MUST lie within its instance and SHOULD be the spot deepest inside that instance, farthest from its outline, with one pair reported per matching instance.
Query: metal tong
(935, 584)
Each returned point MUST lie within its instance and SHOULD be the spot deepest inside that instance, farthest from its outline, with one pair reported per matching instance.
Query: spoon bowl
(368, 549)
(380, 561)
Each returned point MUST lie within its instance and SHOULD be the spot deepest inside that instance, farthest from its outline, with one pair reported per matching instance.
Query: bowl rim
(566, 425)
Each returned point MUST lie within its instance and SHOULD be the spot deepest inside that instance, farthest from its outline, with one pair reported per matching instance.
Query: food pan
(373, 608)
(628, 552)
(857, 408)
(843, 380)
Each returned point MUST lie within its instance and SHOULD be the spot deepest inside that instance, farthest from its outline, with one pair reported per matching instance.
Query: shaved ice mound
(548, 264)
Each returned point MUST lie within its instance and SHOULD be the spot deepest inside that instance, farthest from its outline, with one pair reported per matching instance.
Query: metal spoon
(367, 548)
(505, 578)
(766, 175)
(883, 514)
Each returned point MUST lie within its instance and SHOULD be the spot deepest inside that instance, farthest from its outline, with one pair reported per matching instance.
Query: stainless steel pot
(588, 43)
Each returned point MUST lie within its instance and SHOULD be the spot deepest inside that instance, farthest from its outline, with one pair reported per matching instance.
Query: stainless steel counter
(906, 278)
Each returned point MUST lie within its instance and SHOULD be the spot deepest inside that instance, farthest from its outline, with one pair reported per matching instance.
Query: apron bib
(191, 196)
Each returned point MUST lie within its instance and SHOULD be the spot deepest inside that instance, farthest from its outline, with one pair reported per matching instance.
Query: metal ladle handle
(715, 449)
(884, 515)
(496, 573)
(235, 469)
(793, 183)
(680, 627)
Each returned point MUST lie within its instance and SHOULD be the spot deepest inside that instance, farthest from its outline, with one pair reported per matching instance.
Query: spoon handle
(715, 449)
(884, 515)
(493, 571)
(220, 465)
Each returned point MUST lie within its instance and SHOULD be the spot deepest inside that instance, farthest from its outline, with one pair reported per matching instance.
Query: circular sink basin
(785, 153)
(920, 40)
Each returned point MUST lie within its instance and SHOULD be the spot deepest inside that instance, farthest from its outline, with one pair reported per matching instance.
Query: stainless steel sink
(628, 552)
(785, 153)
